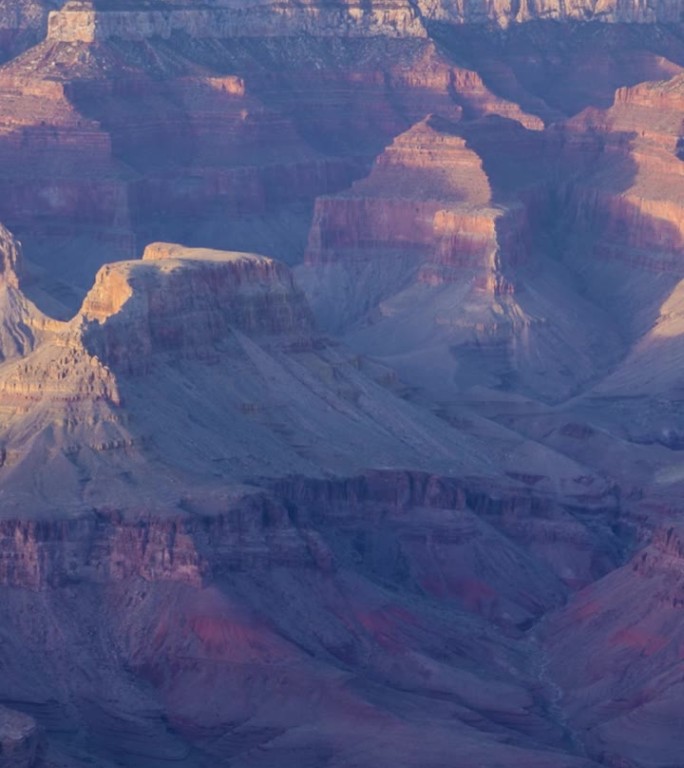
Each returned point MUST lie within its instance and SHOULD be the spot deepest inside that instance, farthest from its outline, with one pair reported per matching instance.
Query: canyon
(340, 383)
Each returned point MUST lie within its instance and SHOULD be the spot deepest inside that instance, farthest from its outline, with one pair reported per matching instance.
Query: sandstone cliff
(224, 344)
(229, 140)
(86, 21)
(79, 21)
(506, 12)
(631, 614)
(186, 492)
(433, 264)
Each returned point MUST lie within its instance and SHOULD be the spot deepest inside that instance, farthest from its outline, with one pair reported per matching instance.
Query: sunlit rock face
(393, 505)
(434, 255)
(148, 121)
(194, 455)
(186, 302)
(506, 12)
(87, 22)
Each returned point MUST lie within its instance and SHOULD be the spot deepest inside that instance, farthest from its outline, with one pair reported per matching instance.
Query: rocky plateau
(341, 383)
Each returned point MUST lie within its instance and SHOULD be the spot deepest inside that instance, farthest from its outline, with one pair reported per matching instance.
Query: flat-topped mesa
(427, 199)
(88, 22)
(186, 301)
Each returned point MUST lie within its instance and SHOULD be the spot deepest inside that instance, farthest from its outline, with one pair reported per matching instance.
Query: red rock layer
(639, 184)
(627, 621)
(255, 137)
(427, 196)
(186, 302)
(425, 215)
(286, 602)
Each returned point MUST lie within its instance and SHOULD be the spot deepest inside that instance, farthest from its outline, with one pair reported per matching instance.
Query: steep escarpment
(23, 23)
(433, 263)
(292, 596)
(187, 499)
(21, 324)
(131, 132)
(504, 13)
(186, 302)
(224, 345)
(426, 200)
(628, 620)
(618, 223)
(88, 21)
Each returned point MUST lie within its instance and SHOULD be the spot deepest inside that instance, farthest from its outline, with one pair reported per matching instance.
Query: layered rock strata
(186, 325)
(85, 21)
(433, 257)
(81, 22)
(298, 623)
(504, 13)
(629, 620)
(173, 146)
(181, 501)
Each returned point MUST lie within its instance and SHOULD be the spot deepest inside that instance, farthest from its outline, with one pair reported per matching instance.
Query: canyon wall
(338, 592)
(396, 18)
(81, 22)
(23, 23)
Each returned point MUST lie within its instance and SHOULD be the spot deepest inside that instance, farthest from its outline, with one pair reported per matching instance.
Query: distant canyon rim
(341, 384)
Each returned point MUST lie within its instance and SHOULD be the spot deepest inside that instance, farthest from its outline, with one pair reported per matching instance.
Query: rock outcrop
(23, 23)
(506, 12)
(225, 344)
(628, 620)
(82, 21)
(130, 131)
(433, 264)
(186, 302)
(186, 492)
(19, 739)
(21, 324)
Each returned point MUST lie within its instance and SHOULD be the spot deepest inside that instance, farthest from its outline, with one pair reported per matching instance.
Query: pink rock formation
(177, 441)
(225, 538)
(193, 323)
(424, 257)
(623, 694)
